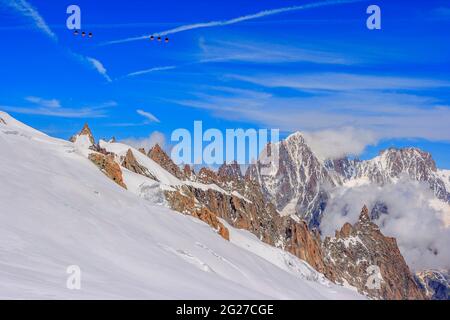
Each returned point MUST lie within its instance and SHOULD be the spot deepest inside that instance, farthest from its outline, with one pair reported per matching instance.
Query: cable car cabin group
(90, 35)
(83, 34)
(152, 38)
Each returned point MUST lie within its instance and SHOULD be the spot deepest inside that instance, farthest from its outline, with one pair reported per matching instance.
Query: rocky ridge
(360, 255)
(241, 201)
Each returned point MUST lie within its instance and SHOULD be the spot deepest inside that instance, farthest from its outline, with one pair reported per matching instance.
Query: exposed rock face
(207, 176)
(86, 131)
(188, 172)
(160, 157)
(303, 243)
(2, 121)
(131, 164)
(343, 167)
(241, 203)
(109, 167)
(356, 248)
(187, 204)
(297, 184)
(435, 284)
(142, 150)
(230, 171)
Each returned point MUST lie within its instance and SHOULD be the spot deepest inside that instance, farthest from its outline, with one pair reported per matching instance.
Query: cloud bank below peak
(412, 219)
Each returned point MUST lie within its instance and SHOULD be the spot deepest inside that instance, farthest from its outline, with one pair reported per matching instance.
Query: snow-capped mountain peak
(297, 185)
(301, 183)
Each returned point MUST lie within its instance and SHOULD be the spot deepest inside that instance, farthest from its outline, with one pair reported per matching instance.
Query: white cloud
(417, 225)
(338, 143)
(231, 51)
(59, 112)
(147, 143)
(341, 82)
(254, 52)
(99, 67)
(27, 10)
(385, 113)
(261, 14)
(51, 103)
(53, 108)
(154, 69)
(147, 115)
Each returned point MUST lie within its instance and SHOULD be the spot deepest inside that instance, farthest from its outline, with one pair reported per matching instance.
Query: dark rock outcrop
(187, 205)
(130, 162)
(109, 167)
(86, 131)
(158, 155)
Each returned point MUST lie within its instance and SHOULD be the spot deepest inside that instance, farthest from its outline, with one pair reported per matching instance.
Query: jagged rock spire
(86, 131)
(157, 154)
(131, 164)
(364, 216)
(362, 245)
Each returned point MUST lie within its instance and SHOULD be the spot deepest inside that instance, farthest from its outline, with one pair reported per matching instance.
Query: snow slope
(57, 209)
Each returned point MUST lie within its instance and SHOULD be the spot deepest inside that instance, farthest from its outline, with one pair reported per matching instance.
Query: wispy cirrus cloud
(341, 81)
(97, 65)
(150, 70)
(147, 115)
(211, 24)
(48, 103)
(53, 108)
(92, 63)
(25, 9)
(260, 52)
(254, 53)
(332, 109)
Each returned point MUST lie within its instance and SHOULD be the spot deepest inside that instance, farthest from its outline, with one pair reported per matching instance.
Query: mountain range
(60, 208)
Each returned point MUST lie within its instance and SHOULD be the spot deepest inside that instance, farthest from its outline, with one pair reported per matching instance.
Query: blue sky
(318, 70)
